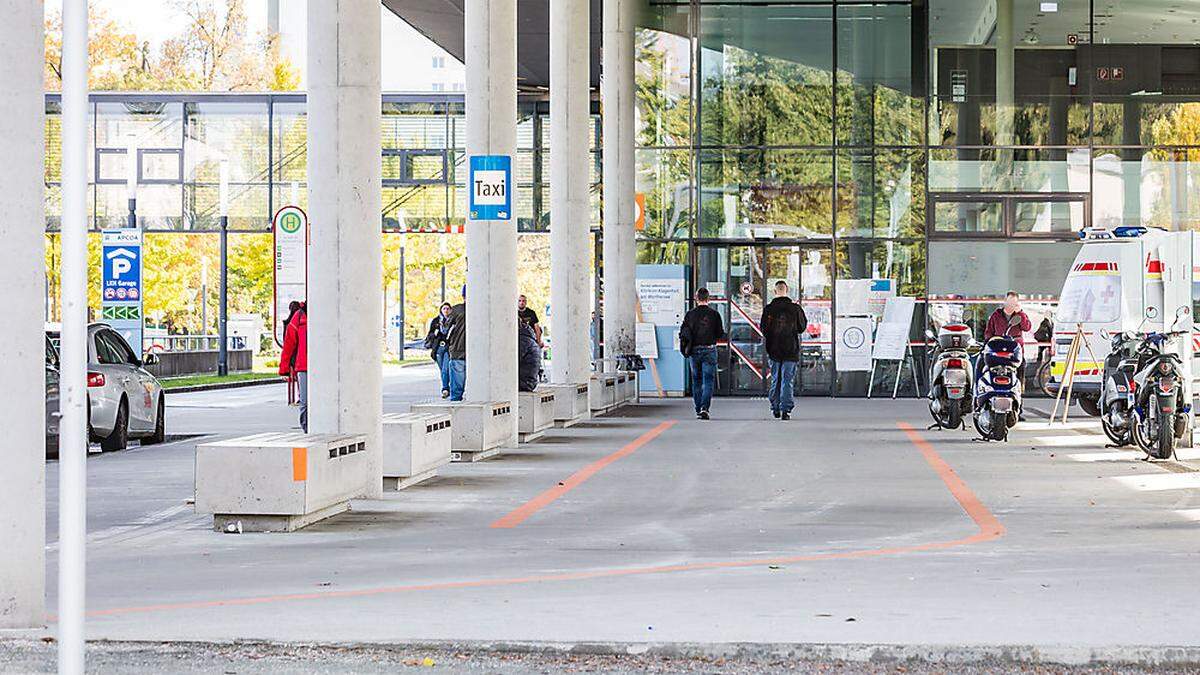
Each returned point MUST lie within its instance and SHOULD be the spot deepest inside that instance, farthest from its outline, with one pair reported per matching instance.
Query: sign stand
(1078, 341)
(912, 368)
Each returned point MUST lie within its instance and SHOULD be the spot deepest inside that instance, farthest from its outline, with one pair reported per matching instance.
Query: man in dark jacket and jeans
(456, 348)
(782, 324)
(698, 337)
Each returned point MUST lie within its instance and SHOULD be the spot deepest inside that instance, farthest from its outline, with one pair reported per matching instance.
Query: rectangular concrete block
(414, 446)
(570, 403)
(535, 413)
(626, 388)
(280, 478)
(602, 393)
(476, 427)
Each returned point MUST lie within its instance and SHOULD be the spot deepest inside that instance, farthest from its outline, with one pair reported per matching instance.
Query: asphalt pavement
(849, 525)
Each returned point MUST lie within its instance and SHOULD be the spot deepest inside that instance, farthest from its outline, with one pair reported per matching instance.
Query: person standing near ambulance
(1001, 323)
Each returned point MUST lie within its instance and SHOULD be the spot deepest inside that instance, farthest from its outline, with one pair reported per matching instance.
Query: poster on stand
(853, 344)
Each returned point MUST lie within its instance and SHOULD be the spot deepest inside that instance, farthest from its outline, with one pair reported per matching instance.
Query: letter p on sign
(490, 182)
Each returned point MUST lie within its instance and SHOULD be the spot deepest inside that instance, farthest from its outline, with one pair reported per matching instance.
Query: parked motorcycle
(950, 376)
(1161, 413)
(1117, 398)
(997, 404)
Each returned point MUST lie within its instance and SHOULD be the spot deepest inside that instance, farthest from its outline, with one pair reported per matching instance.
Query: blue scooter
(997, 388)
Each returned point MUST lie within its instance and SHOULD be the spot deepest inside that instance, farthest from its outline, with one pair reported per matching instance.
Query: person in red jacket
(294, 358)
(1001, 323)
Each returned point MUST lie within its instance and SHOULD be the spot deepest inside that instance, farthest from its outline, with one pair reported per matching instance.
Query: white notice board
(892, 337)
(645, 340)
(853, 344)
(663, 301)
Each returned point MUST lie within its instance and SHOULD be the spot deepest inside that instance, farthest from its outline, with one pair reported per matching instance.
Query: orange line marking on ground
(989, 526)
(523, 512)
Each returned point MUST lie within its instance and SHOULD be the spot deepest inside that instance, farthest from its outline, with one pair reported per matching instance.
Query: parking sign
(121, 284)
(490, 187)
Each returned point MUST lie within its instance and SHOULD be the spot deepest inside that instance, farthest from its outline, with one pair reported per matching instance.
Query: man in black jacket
(782, 324)
(456, 348)
(698, 337)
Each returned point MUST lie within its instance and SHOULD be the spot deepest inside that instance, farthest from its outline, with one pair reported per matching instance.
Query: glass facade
(950, 150)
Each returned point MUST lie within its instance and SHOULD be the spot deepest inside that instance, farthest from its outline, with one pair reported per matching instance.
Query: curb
(224, 385)
(872, 653)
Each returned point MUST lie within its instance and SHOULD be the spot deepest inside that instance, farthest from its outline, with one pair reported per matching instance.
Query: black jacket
(701, 327)
(456, 338)
(529, 358)
(436, 337)
(783, 322)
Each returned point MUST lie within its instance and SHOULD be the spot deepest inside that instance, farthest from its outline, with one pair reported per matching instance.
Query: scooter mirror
(929, 333)
(1183, 311)
(1104, 334)
(1151, 312)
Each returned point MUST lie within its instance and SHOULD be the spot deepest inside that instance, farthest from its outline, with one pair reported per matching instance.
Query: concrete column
(1005, 70)
(491, 106)
(22, 410)
(570, 203)
(617, 103)
(345, 278)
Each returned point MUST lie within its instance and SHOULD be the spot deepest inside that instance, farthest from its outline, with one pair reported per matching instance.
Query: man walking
(526, 315)
(698, 338)
(783, 322)
(456, 348)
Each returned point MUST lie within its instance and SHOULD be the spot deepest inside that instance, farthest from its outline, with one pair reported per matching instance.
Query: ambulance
(1130, 278)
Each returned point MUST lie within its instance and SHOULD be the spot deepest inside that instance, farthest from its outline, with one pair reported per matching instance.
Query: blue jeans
(783, 377)
(442, 358)
(458, 377)
(704, 376)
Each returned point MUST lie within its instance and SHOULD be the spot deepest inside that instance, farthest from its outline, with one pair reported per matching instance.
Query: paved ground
(850, 524)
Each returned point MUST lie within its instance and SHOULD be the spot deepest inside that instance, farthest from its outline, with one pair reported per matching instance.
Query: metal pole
(402, 300)
(72, 466)
(223, 311)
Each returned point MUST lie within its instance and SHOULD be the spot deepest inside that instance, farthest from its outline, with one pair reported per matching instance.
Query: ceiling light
(1049, 6)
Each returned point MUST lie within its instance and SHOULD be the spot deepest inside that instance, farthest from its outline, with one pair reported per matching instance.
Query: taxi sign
(489, 184)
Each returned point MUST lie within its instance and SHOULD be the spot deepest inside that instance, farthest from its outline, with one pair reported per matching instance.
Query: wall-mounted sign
(121, 284)
(958, 86)
(291, 262)
(490, 187)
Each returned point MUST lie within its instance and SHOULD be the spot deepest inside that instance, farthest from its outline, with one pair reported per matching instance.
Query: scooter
(1117, 398)
(950, 377)
(997, 405)
(1161, 414)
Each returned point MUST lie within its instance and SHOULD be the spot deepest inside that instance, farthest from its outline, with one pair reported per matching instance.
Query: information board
(891, 338)
(853, 344)
(663, 301)
(121, 284)
(291, 263)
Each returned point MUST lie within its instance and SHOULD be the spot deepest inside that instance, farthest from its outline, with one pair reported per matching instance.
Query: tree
(214, 52)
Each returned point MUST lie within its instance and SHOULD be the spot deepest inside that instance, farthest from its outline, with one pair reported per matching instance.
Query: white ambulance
(1130, 278)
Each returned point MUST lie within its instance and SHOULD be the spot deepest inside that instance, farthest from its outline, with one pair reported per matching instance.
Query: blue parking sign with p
(121, 283)
(490, 187)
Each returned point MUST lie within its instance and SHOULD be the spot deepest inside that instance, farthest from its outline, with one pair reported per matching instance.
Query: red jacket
(295, 345)
(998, 325)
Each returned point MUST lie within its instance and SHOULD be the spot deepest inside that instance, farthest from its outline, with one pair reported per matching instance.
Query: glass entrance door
(741, 280)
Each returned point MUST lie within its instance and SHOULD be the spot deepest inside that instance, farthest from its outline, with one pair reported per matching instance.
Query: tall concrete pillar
(570, 203)
(1005, 72)
(617, 103)
(491, 107)
(22, 408)
(345, 278)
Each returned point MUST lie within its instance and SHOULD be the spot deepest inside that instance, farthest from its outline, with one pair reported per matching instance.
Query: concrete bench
(602, 393)
(535, 414)
(414, 446)
(570, 403)
(280, 482)
(627, 385)
(478, 430)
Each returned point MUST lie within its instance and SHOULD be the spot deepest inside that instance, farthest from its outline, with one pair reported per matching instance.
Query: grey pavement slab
(832, 528)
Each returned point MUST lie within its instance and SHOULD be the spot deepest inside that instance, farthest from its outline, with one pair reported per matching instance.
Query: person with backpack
(529, 357)
(782, 324)
(436, 341)
(698, 337)
(294, 358)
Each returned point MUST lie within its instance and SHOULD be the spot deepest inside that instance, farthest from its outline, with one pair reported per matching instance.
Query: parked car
(51, 399)
(124, 400)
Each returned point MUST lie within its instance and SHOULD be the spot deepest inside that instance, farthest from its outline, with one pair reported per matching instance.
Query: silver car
(124, 401)
(51, 399)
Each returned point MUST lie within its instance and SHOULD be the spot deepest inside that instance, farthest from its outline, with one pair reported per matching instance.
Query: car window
(121, 347)
(107, 352)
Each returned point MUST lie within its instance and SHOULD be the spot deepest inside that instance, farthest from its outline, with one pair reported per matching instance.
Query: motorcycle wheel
(1140, 438)
(953, 416)
(996, 432)
(1118, 437)
(1166, 440)
(1043, 379)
